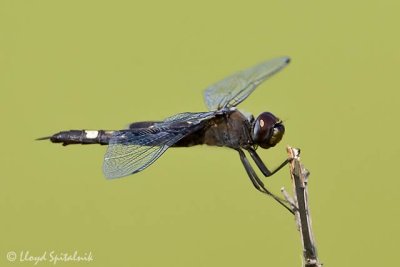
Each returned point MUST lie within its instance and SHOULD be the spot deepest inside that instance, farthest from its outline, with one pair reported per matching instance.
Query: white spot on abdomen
(91, 134)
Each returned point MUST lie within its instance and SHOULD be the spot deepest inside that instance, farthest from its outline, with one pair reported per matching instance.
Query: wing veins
(236, 88)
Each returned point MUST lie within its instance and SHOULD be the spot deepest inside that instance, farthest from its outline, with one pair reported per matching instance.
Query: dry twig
(299, 204)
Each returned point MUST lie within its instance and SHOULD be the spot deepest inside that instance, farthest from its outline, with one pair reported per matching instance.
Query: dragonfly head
(267, 130)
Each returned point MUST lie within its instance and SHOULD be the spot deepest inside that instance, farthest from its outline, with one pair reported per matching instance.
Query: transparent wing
(131, 151)
(189, 117)
(236, 88)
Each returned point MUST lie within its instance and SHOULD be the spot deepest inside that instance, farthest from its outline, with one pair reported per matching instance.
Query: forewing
(236, 88)
(192, 118)
(131, 151)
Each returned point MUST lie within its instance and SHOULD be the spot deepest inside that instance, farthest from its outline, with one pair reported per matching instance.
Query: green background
(101, 65)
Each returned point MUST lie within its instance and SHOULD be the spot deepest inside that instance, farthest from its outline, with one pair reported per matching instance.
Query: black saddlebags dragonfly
(133, 149)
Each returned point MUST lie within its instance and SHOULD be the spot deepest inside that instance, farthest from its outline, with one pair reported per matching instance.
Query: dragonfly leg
(261, 165)
(258, 184)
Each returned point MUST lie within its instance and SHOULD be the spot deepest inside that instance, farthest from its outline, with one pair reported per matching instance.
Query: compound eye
(267, 130)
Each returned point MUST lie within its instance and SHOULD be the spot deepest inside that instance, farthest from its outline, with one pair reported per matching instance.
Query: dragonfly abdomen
(83, 137)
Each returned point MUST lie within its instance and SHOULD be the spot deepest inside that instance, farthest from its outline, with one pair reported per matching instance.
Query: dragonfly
(135, 148)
